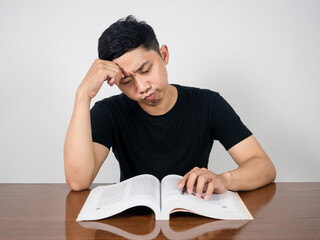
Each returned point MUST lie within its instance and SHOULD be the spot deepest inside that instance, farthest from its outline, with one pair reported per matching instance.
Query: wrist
(82, 97)
(82, 94)
(227, 176)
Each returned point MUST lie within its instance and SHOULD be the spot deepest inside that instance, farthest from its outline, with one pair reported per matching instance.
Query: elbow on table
(77, 186)
(273, 173)
(270, 172)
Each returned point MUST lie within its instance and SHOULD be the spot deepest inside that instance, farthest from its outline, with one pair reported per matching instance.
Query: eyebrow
(139, 69)
(142, 65)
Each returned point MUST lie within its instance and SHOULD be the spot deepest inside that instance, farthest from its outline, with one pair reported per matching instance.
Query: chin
(150, 103)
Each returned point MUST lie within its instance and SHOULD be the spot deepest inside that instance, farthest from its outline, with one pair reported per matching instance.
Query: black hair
(124, 35)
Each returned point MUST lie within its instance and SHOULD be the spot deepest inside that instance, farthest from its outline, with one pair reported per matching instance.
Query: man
(154, 127)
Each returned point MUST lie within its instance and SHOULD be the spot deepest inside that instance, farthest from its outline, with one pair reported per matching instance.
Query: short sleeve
(101, 125)
(226, 125)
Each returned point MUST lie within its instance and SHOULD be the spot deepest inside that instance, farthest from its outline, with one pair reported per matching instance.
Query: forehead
(133, 59)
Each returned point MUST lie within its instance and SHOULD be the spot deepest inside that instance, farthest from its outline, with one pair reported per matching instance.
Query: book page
(220, 206)
(106, 201)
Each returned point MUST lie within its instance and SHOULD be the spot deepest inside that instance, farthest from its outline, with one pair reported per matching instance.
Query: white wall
(262, 56)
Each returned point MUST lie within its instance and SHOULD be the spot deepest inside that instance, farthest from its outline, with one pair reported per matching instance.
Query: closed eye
(146, 71)
(126, 81)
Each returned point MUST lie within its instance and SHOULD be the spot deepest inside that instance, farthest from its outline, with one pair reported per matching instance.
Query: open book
(163, 198)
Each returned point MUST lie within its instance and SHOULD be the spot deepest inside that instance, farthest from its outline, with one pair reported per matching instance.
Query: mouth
(150, 97)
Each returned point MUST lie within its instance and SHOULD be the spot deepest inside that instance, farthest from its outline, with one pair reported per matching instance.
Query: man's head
(133, 46)
(124, 35)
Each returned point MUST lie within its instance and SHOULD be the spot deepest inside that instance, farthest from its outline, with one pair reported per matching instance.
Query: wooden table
(48, 211)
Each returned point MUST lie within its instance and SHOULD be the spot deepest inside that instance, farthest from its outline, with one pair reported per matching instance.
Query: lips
(150, 97)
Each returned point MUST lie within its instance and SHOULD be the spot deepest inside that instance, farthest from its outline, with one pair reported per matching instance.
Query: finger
(113, 77)
(191, 181)
(118, 78)
(118, 82)
(110, 81)
(183, 181)
(201, 181)
(210, 190)
(120, 74)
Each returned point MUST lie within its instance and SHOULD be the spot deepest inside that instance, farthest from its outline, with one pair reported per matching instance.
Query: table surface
(48, 211)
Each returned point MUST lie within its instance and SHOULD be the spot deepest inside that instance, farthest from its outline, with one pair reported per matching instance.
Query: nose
(142, 86)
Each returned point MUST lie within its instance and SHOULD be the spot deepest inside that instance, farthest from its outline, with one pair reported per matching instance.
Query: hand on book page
(210, 228)
(227, 205)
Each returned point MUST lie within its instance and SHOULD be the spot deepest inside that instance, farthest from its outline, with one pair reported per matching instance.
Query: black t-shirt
(174, 142)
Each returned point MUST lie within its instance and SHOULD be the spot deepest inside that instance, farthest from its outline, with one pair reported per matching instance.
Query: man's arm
(82, 157)
(255, 167)
(255, 170)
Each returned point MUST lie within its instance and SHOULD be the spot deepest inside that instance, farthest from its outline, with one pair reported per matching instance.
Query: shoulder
(205, 96)
(111, 100)
(113, 104)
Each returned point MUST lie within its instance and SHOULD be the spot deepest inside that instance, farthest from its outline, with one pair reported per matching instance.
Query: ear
(164, 54)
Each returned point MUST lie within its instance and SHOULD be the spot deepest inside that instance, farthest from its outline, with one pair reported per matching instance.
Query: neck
(165, 105)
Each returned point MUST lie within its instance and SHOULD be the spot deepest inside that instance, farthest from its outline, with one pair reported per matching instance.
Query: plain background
(263, 57)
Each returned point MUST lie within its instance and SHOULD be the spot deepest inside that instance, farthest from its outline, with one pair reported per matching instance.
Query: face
(145, 75)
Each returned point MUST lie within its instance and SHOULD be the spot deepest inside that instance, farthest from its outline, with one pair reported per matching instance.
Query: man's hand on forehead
(99, 72)
(116, 76)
